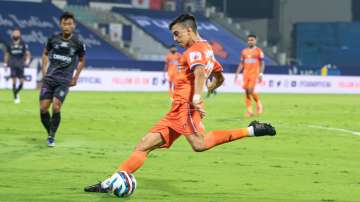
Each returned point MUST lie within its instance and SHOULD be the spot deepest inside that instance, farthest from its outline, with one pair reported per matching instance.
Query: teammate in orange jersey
(187, 111)
(252, 62)
(170, 68)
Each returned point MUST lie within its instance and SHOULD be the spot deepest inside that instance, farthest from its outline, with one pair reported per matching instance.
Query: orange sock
(134, 162)
(218, 137)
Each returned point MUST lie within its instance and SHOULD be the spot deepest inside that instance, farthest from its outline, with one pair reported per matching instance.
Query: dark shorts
(51, 89)
(17, 72)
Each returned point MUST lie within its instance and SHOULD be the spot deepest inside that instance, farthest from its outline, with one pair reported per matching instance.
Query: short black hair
(251, 35)
(187, 20)
(67, 15)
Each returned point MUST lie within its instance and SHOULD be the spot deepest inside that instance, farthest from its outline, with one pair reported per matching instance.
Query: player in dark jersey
(60, 55)
(17, 56)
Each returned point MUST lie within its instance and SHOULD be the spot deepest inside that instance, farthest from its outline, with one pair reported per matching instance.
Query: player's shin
(18, 89)
(46, 120)
(55, 122)
(218, 137)
(134, 162)
(14, 90)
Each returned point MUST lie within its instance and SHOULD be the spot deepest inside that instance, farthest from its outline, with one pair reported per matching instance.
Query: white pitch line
(336, 129)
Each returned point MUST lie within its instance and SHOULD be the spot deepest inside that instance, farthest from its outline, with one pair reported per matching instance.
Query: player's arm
(27, 56)
(262, 66)
(199, 83)
(44, 62)
(238, 70)
(217, 81)
(79, 68)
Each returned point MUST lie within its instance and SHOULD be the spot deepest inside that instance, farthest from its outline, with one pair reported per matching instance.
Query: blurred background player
(187, 111)
(252, 62)
(171, 67)
(61, 53)
(17, 57)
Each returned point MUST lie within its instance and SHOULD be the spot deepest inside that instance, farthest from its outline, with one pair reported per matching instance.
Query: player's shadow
(229, 119)
(165, 185)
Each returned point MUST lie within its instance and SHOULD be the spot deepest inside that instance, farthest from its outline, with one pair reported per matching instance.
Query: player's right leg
(200, 142)
(13, 81)
(45, 99)
(246, 86)
(147, 144)
(45, 117)
(249, 111)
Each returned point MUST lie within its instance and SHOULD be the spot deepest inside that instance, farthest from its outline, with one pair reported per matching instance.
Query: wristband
(196, 98)
(261, 74)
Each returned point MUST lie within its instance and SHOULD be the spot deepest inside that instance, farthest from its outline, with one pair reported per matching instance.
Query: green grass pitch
(99, 130)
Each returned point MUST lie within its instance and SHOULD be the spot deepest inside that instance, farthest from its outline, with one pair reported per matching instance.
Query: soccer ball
(122, 184)
(125, 185)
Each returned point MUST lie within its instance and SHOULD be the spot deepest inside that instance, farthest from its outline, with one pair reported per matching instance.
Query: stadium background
(311, 47)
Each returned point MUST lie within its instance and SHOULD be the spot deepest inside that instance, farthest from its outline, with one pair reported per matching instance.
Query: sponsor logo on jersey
(62, 58)
(195, 56)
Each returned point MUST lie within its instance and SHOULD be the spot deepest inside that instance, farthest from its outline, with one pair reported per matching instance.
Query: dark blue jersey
(63, 55)
(17, 53)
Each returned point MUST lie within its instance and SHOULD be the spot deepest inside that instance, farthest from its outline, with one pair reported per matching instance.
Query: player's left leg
(259, 106)
(201, 142)
(147, 144)
(18, 89)
(57, 102)
(13, 81)
(249, 110)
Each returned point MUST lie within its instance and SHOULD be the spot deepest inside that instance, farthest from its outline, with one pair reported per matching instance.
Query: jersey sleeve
(261, 55)
(195, 58)
(81, 49)
(242, 58)
(49, 45)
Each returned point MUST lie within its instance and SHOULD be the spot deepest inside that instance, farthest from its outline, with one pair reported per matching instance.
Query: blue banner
(38, 21)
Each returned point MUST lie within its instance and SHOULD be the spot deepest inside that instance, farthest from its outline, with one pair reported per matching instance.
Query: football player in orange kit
(252, 62)
(170, 67)
(187, 110)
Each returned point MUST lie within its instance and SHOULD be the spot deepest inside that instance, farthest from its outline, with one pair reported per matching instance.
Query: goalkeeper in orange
(252, 62)
(187, 110)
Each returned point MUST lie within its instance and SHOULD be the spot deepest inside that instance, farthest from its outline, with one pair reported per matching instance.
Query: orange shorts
(171, 73)
(181, 120)
(249, 82)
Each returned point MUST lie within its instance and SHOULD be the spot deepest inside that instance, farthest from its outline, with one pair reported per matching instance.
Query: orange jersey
(172, 61)
(200, 53)
(251, 58)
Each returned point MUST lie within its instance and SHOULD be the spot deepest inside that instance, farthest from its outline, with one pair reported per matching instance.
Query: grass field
(99, 130)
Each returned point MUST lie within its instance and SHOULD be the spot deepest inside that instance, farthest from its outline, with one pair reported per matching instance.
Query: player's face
(173, 50)
(181, 34)
(67, 26)
(16, 35)
(251, 42)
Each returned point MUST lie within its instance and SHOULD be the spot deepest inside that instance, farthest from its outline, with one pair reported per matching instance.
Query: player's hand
(260, 78)
(235, 78)
(73, 81)
(166, 76)
(200, 107)
(5, 67)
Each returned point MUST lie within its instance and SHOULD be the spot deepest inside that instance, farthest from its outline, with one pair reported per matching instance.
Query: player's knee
(199, 147)
(56, 107)
(44, 108)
